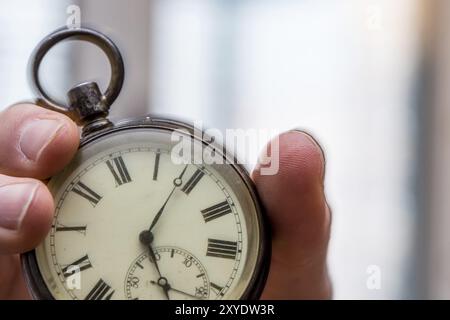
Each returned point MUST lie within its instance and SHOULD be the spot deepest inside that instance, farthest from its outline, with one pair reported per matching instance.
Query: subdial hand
(162, 282)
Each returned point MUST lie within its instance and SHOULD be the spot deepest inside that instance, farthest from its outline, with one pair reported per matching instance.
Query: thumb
(297, 209)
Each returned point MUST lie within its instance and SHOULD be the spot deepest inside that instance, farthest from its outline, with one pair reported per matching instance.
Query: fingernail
(318, 146)
(15, 199)
(36, 136)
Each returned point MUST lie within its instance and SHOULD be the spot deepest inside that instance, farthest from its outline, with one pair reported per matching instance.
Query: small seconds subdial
(182, 275)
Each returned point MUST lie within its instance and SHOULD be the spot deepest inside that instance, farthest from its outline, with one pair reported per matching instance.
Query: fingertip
(301, 165)
(303, 160)
(294, 196)
(60, 150)
(25, 215)
(37, 220)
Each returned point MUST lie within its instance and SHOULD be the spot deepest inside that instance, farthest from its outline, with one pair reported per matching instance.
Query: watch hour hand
(166, 286)
(146, 238)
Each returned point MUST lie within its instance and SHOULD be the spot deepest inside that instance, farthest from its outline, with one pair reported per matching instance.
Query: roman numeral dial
(81, 229)
(101, 291)
(119, 170)
(216, 211)
(222, 249)
(156, 166)
(216, 288)
(84, 191)
(193, 181)
(82, 264)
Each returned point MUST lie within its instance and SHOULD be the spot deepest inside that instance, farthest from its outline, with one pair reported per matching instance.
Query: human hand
(36, 143)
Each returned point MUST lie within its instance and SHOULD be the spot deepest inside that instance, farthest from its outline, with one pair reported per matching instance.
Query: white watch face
(131, 224)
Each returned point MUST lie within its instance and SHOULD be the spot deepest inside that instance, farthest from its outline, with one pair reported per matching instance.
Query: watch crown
(90, 105)
(87, 100)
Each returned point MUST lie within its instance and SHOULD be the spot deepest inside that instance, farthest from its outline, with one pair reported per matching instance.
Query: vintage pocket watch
(132, 223)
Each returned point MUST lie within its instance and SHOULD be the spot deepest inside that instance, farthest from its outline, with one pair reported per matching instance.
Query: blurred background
(369, 78)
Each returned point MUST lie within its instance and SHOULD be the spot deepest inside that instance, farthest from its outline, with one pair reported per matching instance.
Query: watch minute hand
(177, 182)
(158, 215)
